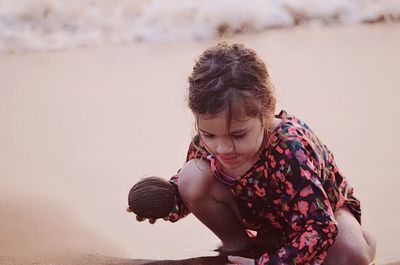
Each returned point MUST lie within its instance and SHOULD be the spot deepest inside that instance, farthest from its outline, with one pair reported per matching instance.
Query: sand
(80, 127)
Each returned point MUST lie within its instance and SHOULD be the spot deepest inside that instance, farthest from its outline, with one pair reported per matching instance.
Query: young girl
(252, 176)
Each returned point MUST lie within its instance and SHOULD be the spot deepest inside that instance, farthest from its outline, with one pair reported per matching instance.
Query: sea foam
(58, 24)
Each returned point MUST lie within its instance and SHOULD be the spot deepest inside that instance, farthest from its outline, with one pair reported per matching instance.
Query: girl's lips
(227, 159)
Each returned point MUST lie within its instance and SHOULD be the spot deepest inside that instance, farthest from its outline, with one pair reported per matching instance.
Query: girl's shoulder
(290, 136)
(290, 129)
(290, 124)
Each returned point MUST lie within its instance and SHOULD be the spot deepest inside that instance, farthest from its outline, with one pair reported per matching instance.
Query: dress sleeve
(179, 210)
(311, 227)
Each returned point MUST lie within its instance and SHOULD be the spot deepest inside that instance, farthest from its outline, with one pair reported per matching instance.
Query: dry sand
(79, 127)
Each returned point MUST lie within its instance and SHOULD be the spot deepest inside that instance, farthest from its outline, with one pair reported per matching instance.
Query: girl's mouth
(228, 159)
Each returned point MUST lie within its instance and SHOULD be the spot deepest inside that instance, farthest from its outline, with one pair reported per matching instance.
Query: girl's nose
(224, 147)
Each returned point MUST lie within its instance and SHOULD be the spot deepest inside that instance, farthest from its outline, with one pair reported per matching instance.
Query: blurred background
(92, 98)
(48, 25)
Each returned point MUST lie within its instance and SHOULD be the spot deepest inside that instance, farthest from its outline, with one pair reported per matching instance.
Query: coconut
(152, 197)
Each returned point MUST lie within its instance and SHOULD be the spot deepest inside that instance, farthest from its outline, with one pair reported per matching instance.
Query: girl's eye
(207, 135)
(238, 136)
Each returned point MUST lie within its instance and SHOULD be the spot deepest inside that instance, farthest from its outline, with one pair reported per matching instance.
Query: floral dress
(289, 194)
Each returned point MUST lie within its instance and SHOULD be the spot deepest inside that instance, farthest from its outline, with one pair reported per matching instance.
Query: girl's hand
(141, 219)
(241, 261)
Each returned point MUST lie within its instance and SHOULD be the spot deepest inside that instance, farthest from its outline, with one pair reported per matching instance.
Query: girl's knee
(371, 244)
(352, 244)
(195, 180)
(348, 253)
(357, 257)
(360, 251)
(198, 185)
(352, 252)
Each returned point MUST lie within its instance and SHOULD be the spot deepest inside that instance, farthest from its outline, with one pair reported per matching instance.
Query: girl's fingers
(139, 218)
(166, 218)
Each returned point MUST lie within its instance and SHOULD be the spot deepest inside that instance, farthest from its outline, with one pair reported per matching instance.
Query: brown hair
(233, 78)
(152, 197)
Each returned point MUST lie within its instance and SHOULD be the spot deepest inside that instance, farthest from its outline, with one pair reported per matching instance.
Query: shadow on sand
(219, 260)
(207, 260)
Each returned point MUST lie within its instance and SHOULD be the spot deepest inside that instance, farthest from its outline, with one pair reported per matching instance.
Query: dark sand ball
(152, 197)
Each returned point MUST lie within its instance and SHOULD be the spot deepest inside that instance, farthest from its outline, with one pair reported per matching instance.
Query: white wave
(59, 24)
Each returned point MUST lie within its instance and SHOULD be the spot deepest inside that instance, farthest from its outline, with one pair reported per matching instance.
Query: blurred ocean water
(47, 25)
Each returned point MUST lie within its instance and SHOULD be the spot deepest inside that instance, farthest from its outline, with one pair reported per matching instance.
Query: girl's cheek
(209, 145)
(248, 148)
(241, 148)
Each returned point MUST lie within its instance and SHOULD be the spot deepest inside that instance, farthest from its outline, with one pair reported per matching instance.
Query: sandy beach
(79, 127)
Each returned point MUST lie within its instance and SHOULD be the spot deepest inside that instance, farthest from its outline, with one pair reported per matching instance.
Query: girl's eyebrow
(239, 131)
(203, 131)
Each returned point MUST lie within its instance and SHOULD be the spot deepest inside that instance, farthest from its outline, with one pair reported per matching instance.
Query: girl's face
(235, 149)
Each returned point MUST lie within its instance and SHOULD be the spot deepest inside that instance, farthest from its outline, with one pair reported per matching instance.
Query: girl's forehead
(219, 122)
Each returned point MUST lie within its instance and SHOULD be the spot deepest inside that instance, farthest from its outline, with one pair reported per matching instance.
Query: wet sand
(80, 127)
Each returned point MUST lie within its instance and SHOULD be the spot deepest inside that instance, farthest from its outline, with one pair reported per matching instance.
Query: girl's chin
(231, 165)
